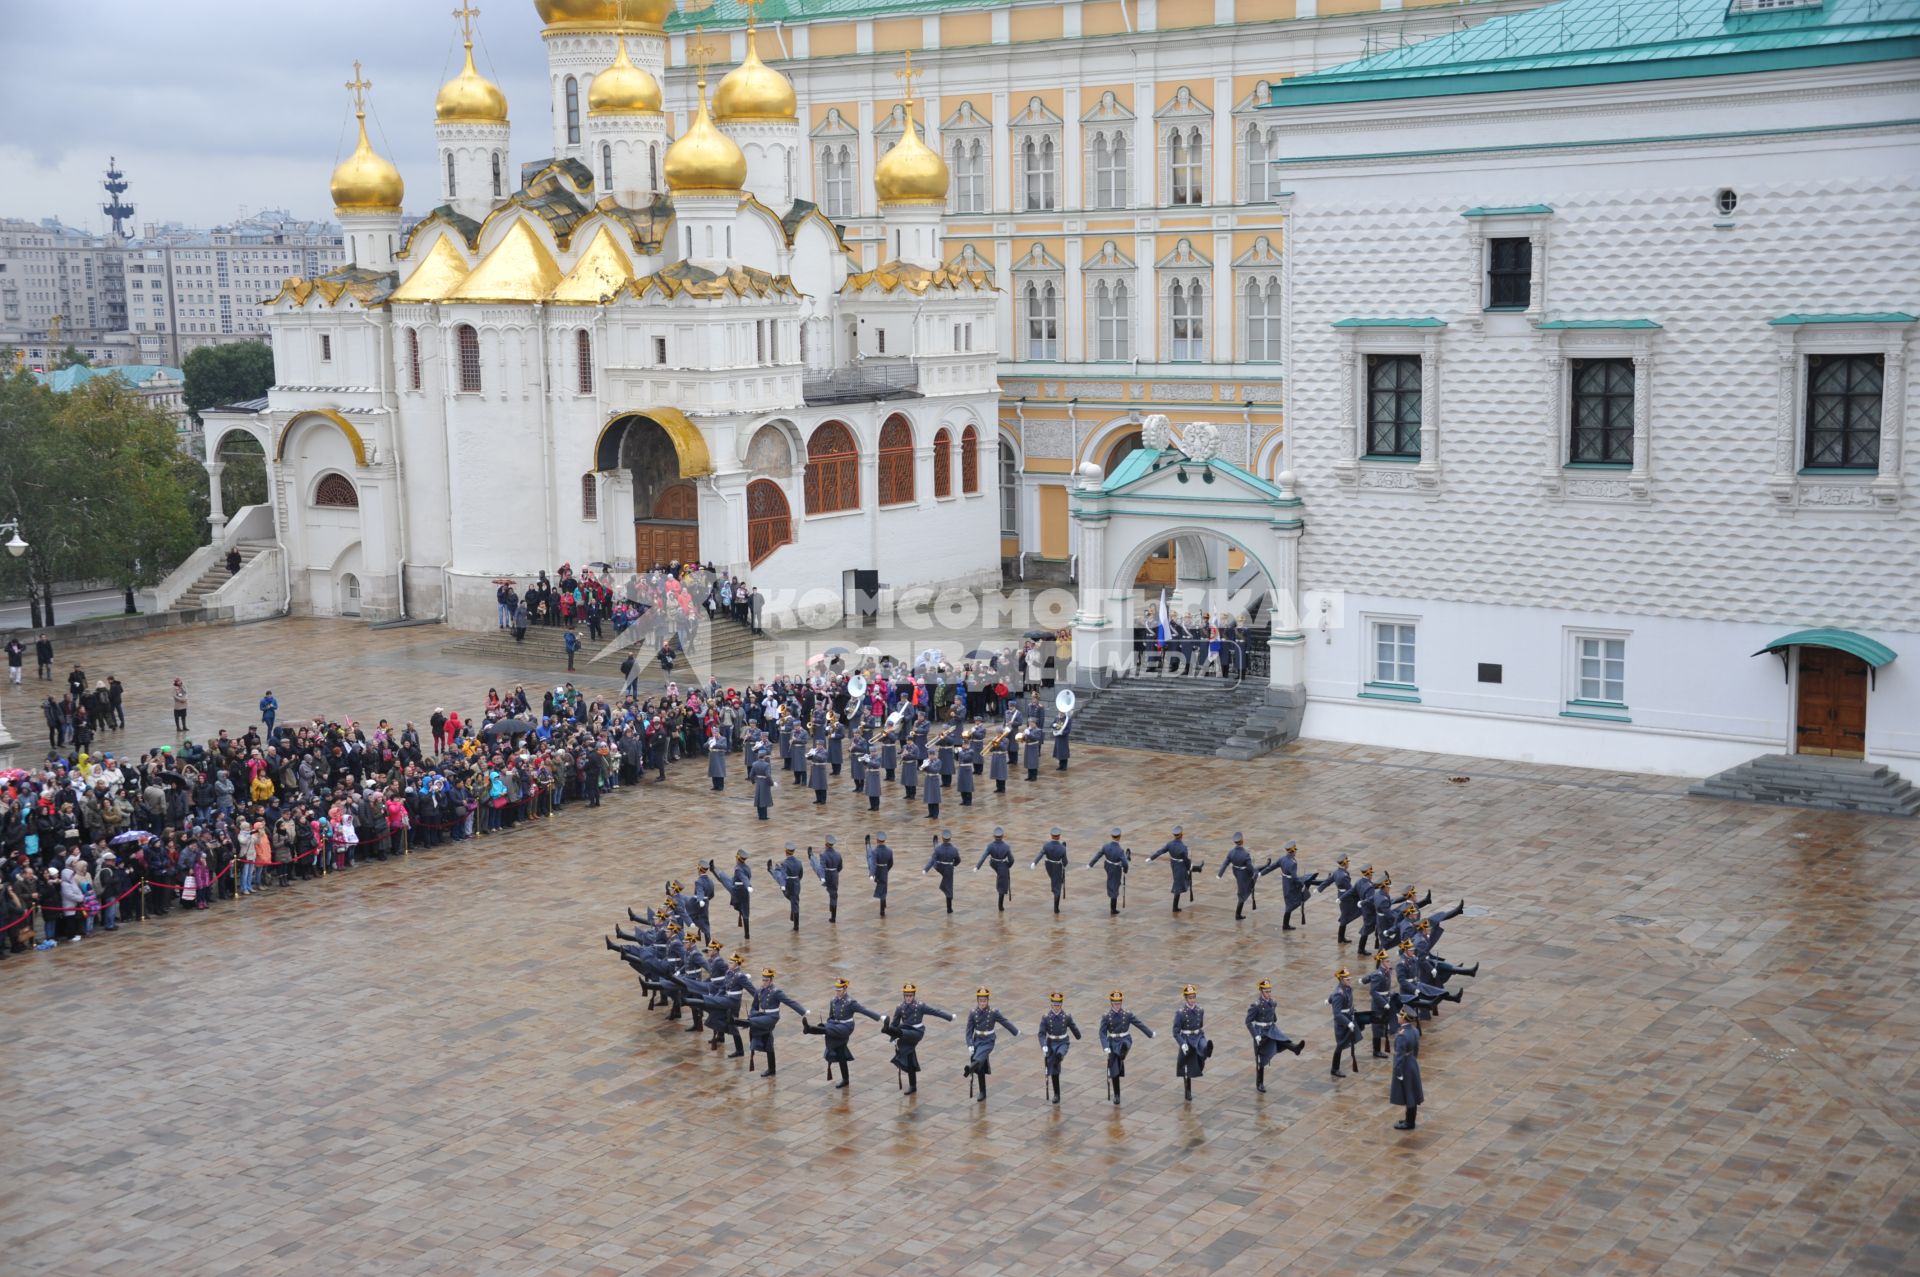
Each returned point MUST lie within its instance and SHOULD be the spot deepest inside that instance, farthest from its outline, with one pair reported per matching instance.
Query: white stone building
(1601, 320)
(634, 349)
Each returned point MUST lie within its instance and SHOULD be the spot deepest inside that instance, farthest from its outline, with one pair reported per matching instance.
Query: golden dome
(912, 172)
(754, 91)
(365, 182)
(470, 97)
(603, 13)
(623, 89)
(705, 160)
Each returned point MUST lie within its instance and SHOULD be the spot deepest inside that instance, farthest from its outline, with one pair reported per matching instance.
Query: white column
(217, 511)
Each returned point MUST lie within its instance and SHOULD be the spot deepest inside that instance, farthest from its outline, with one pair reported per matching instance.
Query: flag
(1160, 631)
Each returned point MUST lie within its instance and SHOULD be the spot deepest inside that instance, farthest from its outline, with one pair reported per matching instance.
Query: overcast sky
(215, 106)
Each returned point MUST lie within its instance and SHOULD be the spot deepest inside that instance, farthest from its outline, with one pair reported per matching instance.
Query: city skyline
(205, 141)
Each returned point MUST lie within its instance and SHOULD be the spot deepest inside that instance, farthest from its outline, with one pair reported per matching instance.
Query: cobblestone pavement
(1691, 1049)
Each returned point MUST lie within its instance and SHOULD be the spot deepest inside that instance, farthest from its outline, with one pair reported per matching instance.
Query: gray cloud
(214, 105)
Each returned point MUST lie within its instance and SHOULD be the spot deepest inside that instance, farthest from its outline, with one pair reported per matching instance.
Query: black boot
(768, 1072)
(982, 1079)
(883, 906)
(1336, 1063)
(1299, 1046)
(1116, 1092)
(1237, 915)
(949, 904)
(1056, 904)
(841, 1085)
(1260, 1078)
(1406, 1123)
(805, 1028)
(738, 1050)
(1176, 904)
(913, 1081)
(1113, 906)
(1343, 933)
(1002, 900)
(1189, 1085)
(1455, 996)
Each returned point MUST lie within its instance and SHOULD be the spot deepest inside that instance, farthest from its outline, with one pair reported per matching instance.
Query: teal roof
(1560, 325)
(1141, 462)
(1869, 650)
(1882, 317)
(1611, 41)
(133, 374)
(1423, 321)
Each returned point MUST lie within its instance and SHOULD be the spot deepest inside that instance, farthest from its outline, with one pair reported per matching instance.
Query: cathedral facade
(635, 348)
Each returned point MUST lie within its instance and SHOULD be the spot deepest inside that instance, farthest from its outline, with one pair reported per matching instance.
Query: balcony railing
(869, 379)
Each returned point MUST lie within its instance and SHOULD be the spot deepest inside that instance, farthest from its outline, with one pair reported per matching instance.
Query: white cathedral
(635, 349)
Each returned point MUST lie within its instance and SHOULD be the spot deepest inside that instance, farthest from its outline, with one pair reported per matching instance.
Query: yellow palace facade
(1111, 172)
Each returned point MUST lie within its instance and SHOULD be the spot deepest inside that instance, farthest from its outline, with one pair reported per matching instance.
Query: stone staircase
(194, 597)
(1183, 716)
(1813, 780)
(722, 645)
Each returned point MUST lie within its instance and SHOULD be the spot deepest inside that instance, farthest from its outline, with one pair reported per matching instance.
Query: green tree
(244, 481)
(98, 484)
(226, 374)
(71, 358)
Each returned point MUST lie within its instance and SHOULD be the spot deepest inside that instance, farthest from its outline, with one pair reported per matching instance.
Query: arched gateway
(1171, 489)
(659, 452)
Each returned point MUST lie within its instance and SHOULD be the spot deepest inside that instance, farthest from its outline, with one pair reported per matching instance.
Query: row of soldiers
(928, 761)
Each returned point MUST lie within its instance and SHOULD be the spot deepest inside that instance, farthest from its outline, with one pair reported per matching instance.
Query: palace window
(1186, 160)
(942, 463)
(896, 461)
(970, 461)
(1043, 322)
(469, 343)
(589, 496)
(1602, 419)
(1009, 492)
(336, 490)
(1393, 406)
(1844, 394)
(497, 179)
(1393, 653)
(836, 181)
(413, 359)
(606, 166)
(1260, 300)
(326, 348)
(1509, 273)
(1110, 170)
(1112, 322)
(1187, 316)
(1037, 163)
(573, 111)
(833, 470)
(969, 164)
(583, 361)
(1259, 159)
(1599, 679)
(769, 521)
(452, 187)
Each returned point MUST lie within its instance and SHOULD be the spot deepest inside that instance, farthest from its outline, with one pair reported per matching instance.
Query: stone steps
(1183, 716)
(1812, 780)
(194, 598)
(721, 644)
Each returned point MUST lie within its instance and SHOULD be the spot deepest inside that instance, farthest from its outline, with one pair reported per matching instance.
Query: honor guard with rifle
(1054, 853)
(1115, 859)
(906, 1025)
(1116, 1039)
(788, 875)
(879, 865)
(1295, 888)
(739, 885)
(826, 867)
(1057, 1035)
(945, 858)
(1190, 1033)
(1268, 1040)
(838, 1029)
(982, 1023)
(1181, 861)
(1346, 1021)
(763, 1016)
(760, 771)
(1001, 856)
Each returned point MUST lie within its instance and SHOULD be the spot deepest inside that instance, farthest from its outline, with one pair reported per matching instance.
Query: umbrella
(980, 654)
(503, 580)
(932, 656)
(1040, 636)
(868, 650)
(511, 726)
(175, 779)
(600, 567)
(132, 835)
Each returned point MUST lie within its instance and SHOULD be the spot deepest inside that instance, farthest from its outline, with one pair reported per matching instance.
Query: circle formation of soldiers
(685, 970)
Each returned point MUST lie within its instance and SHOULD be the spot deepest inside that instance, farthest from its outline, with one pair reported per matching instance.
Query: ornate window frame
(834, 137)
(1039, 268)
(1108, 121)
(1263, 264)
(1110, 266)
(1362, 337)
(1186, 267)
(1247, 116)
(1562, 342)
(1530, 222)
(1795, 338)
(1186, 113)
(1037, 124)
(966, 127)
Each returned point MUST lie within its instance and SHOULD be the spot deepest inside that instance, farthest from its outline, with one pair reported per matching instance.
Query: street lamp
(16, 547)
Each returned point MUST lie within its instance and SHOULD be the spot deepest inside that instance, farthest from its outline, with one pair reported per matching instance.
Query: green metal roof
(1559, 325)
(135, 375)
(1423, 321)
(1141, 462)
(731, 13)
(1515, 210)
(1883, 317)
(1873, 653)
(1612, 41)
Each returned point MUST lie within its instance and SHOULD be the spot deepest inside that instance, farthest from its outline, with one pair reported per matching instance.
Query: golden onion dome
(911, 172)
(470, 98)
(703, 159)
(366, 182)
(623, 88)
(603, 13)
(754, 91)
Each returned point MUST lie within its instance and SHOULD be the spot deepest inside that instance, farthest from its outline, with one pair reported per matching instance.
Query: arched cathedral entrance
(660, 453)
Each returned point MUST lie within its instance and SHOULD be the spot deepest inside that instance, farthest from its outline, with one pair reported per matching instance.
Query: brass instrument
(1004, 733)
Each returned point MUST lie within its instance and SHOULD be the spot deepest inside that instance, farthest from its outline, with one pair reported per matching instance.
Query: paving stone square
(1691, 1048)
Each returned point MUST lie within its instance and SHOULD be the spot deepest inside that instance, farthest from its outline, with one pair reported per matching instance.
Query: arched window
(836, 181)
(653, 168)
(970, 461)
(769, 521)
(469, 342)
(833, 470)
(452, 189)
(413, 359)
(1186, 308)
(1259, 166)
(1112, 322)
(1261, 305)
(1185, 158)
(896, 461)
(497, 176)
(1037, 156)
(1043, 322)
(1109, 170)
(573, 111)
(1009, 491)
(583, 361)
(606, 166)
(969, 177)
(943, 463)
(336, 490)
(589, 495)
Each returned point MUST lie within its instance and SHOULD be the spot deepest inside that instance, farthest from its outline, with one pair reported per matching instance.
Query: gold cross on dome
(358, 86)
(752, 7)
(700, 51)
(466, 13)
(907, 74)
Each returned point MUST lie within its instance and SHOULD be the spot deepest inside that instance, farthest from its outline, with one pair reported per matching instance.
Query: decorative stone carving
(1155, 431)
(1832, 495)
(1606, 489)
(1399, 478)
(1200, 441)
